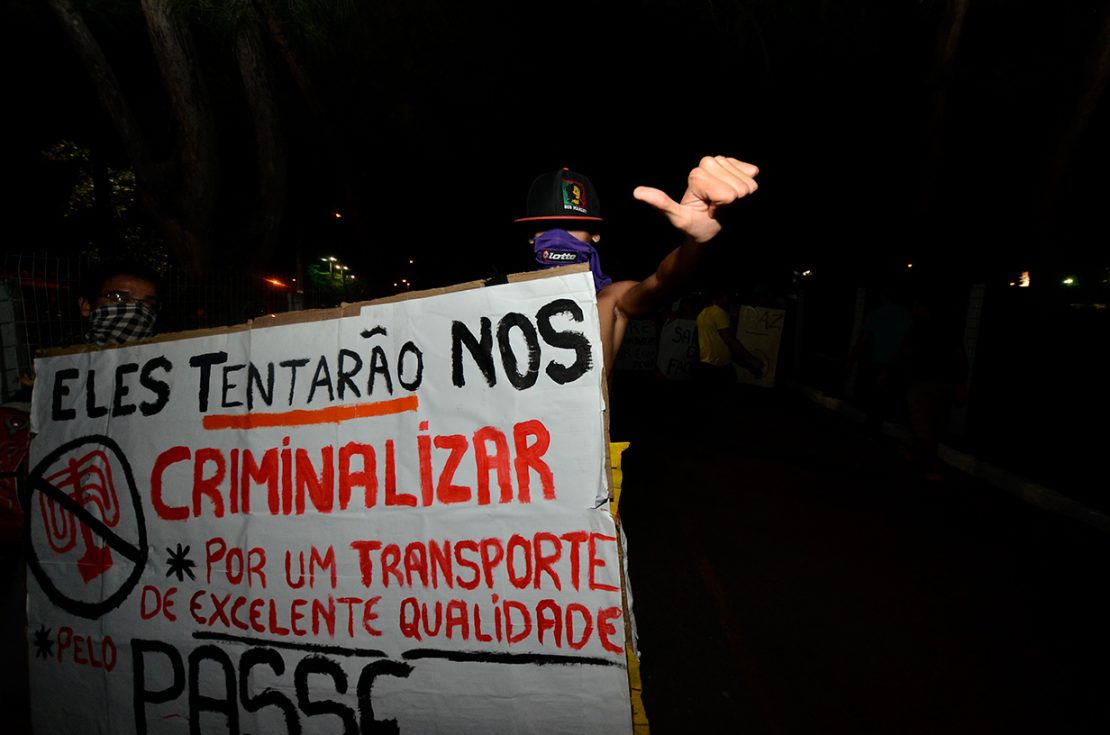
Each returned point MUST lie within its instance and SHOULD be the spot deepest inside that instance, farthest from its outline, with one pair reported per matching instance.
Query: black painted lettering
(324, 666)
(268, 697)
(254, 380)
(205, 363)
(228, 386)
(227, 705)
(519, 380)
(91, 409)
(119, 408)
(321, 379)
(410, 349)
(568, 339)
(379, 365)
(160, 388)
(481, 351)
(294, 366)
(365, 687)
(61, 390)
(343, 376)
(141, 696)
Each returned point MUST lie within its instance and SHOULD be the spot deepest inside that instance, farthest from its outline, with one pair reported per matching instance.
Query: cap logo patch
(574, 196)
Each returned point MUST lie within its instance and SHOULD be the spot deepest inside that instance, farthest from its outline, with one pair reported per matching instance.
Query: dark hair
(100, 272)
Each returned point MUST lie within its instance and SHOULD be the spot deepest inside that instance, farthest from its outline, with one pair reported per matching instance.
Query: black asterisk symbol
(179, 563)
(44, 645)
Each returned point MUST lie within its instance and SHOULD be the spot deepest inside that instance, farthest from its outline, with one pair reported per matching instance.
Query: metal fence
(39, 306)
(38, 310)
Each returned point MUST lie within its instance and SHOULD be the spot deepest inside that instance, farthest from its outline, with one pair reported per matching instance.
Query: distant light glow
(339, 215)
(274, 282)
(807, 273)
(1070, 281)
(909, 265)
(1024, 280)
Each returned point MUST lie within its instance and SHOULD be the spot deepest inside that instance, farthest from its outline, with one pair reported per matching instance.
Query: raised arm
(717, 182)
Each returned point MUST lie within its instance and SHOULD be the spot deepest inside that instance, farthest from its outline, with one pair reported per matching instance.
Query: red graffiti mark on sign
(90, 485)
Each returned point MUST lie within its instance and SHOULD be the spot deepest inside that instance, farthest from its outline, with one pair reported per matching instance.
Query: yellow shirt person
(711, 347)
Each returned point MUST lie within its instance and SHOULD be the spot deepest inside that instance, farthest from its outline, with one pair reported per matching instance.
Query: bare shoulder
(610, 296)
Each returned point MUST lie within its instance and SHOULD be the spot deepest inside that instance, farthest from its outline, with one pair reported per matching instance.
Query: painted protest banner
(390, 519)
(760, 331)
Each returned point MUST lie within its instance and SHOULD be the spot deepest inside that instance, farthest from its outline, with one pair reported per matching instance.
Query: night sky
(444, 112)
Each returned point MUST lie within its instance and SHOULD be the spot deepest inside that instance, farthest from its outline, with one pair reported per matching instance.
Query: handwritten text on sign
(384, 521)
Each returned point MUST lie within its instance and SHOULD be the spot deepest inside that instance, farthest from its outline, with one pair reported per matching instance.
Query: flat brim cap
(562, 195)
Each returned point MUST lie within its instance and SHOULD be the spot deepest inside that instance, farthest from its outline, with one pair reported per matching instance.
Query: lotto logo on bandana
(553, 256)
(574, 196)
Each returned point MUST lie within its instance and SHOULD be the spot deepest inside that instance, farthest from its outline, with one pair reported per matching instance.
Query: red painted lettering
(498, 462)
(366, 478)
(208, 486)
(165, 459)
(529, 456)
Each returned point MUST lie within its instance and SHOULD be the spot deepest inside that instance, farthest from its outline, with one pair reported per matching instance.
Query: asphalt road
(791, 575)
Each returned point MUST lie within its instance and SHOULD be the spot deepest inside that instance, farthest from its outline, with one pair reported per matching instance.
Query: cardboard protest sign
(678, 349)
(639, 348)
(391, 519)
(760, 331)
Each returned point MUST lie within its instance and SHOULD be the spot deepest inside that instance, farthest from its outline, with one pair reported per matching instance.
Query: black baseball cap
(562, 195)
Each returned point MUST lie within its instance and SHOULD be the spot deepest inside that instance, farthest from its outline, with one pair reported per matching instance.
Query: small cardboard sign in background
(639, 348)
(760, 331)
(394, 514)
(678, 349)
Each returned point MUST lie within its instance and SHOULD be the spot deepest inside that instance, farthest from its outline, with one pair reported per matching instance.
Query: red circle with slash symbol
(74, 519)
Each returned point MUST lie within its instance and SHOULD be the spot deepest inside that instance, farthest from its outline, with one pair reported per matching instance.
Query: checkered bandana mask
(117, 323)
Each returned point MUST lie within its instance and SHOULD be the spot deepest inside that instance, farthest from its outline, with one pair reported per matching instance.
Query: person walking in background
(879, 382)
(935, 365)
(718, 347)
(714, 375)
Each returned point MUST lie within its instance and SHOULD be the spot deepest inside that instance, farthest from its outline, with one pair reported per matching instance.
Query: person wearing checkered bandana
(123, 308)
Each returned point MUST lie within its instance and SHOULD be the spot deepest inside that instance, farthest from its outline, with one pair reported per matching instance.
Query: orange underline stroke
(329, 415)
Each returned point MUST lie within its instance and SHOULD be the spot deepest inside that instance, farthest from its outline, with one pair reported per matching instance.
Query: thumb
(657, 199)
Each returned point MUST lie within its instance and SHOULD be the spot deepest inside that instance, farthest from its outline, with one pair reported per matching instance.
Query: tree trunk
(1097, 78)
(348, 191)
(269, 207)
(952, 25)
(177, 60)
(107, 87)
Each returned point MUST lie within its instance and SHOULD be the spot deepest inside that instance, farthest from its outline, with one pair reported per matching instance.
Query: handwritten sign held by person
(388, 518)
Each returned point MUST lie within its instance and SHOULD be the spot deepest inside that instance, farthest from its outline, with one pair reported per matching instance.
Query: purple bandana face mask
(559, 247)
